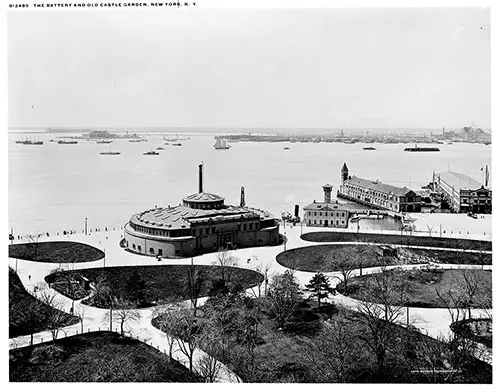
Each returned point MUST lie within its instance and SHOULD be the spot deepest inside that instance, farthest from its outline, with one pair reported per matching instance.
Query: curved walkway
(434, 322)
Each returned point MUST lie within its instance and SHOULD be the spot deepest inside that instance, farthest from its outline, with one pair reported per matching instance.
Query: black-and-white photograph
(216, 192)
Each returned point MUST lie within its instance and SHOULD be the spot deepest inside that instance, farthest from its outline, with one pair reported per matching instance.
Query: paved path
(434, 322)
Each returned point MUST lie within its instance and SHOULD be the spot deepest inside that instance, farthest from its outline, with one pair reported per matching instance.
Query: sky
(317, 68)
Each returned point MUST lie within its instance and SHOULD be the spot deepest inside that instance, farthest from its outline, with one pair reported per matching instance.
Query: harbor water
(54, 187)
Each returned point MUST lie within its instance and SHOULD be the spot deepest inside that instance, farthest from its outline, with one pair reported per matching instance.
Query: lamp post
(284, 240)
(85, 226)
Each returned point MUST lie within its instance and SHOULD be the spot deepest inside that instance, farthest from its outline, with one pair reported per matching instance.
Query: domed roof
(203, 197)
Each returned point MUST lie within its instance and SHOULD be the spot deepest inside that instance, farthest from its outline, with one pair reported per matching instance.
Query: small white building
(326, 213)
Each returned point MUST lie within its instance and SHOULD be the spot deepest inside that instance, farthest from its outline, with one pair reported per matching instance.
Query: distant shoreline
(238, 130)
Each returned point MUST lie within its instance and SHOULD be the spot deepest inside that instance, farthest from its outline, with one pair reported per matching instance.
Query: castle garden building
(202, 223)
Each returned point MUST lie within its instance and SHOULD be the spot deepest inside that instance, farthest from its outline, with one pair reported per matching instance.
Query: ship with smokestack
(201, 223)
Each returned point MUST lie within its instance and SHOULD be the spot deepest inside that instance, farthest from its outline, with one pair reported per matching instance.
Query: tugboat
(151, 153)
(421, 149)
(109, 152)
(221, 144)
(177, 144)
(286, 148)
(369, 148)
(67, 142)
(104, 141)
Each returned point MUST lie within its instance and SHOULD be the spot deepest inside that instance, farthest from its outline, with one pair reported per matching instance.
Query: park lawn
(421, 286)
(95, 357)
(58, 252)
(163, 282)
(317, 258)
(19, 301)
(454, 257)
(438, 242)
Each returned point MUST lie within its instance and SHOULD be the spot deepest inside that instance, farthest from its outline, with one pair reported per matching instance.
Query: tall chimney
(327, 189)
(200, 178)
(242, 197)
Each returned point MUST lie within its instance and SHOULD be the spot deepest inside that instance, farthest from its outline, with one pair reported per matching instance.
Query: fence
(453, 233)
(65, 232)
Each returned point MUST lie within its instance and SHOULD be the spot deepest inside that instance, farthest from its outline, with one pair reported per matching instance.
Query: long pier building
(377, 195)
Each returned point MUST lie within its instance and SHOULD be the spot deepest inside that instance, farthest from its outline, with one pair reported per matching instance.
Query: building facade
(463, 193)
(327, 213)
(201, 224)
(377, 195)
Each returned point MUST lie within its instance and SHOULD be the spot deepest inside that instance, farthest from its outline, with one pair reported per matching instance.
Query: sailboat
(221, 144)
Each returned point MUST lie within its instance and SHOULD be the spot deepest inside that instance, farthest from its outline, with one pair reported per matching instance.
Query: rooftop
(181, 217)
(204, 197)
(459, 181)
(378, 186)
(332, 206)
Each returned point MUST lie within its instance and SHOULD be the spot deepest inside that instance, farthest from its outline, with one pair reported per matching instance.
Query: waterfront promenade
(434, 322)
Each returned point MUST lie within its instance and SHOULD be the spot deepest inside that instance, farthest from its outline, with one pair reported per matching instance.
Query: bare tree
(186, 334)
(335, 353)
(123, 312)
(101, 291)
(453, 300)
(464, 294)
(54, 315)
(70, 285)
(345, 263)
(264, 270)
(284, 297)
(209, 368)
(380, 308)
(226, 262)
(80, 312)
(193, 284)
(165, 319)
(471, 279)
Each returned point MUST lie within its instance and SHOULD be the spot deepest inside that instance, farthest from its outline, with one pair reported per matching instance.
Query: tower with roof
(344, 173)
